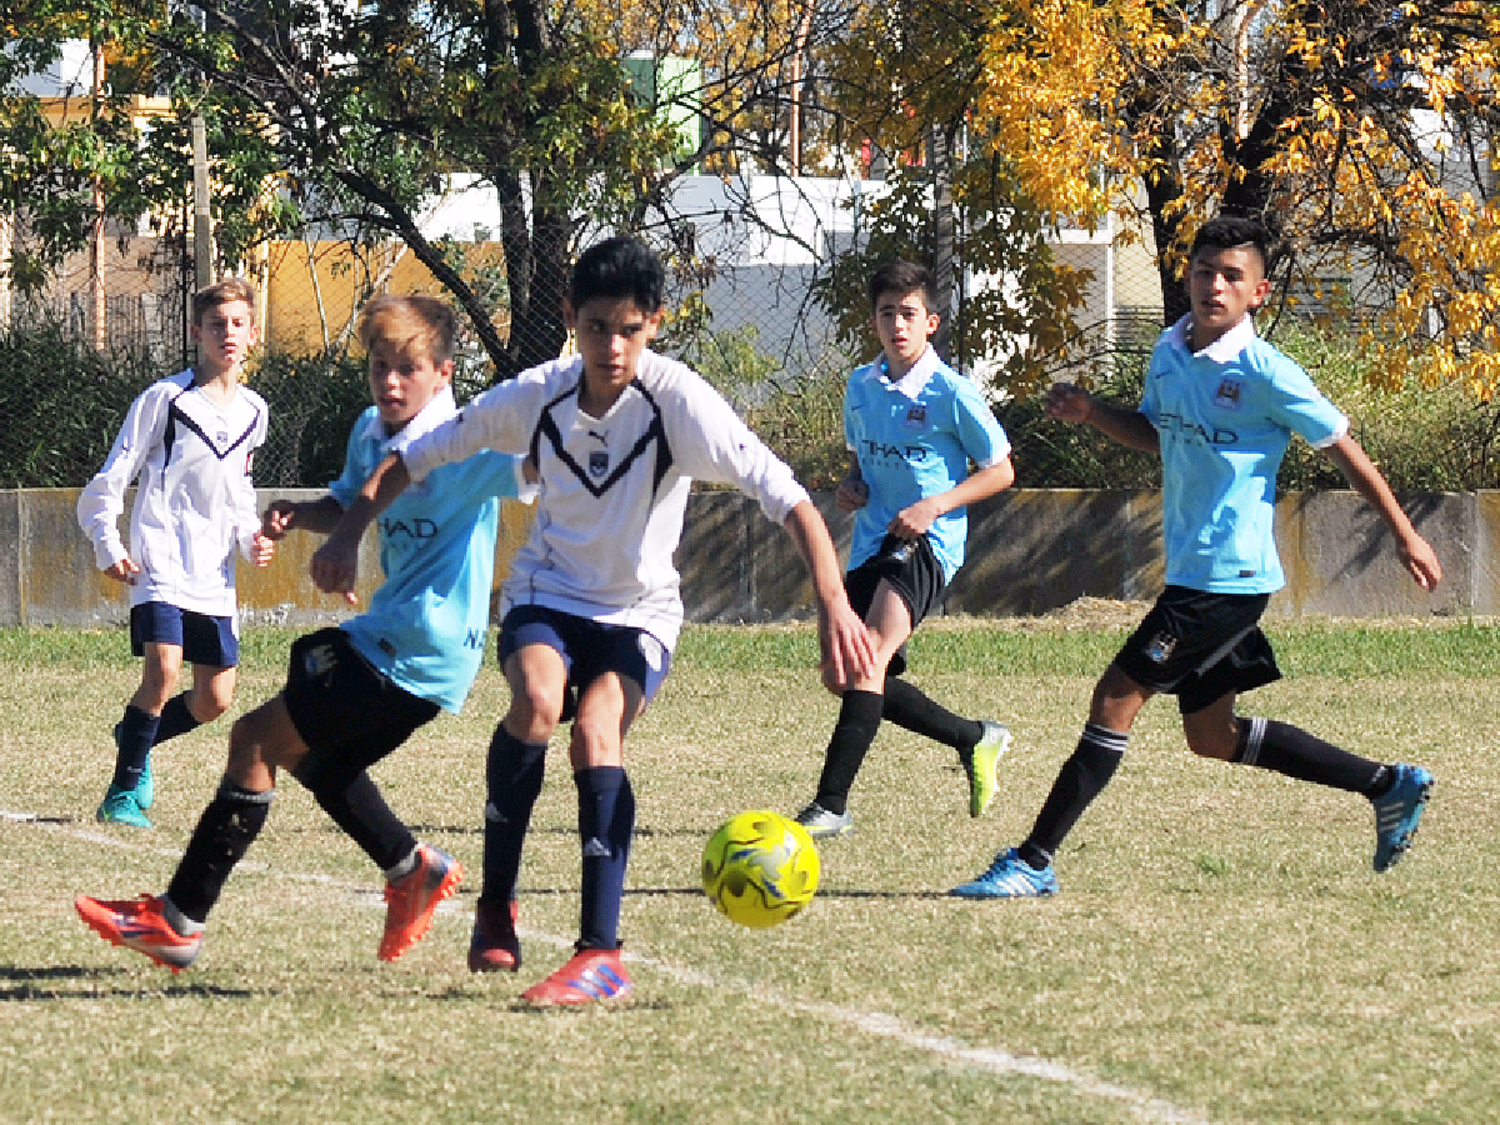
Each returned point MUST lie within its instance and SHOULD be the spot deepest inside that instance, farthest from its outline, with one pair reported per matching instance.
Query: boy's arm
(320, 516)
(1068, 402)
(914, 521)
(335, 565)
(842, 638)
(853, 493)
(1416, 553)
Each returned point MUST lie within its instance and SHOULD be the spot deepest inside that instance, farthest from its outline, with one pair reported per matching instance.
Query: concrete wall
(1029, 552)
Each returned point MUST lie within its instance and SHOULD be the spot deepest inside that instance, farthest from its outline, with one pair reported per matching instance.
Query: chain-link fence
(748, 258)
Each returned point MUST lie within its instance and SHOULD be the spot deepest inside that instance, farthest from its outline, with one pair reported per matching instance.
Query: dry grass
(1221, 950)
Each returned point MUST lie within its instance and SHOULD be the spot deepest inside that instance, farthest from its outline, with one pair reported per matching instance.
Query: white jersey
(195, 504)
(614, 489)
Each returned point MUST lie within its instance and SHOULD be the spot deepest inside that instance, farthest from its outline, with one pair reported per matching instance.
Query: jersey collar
(1222, 350)
(916, 378)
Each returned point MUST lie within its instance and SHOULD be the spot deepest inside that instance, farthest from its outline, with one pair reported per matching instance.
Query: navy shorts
(589, 649)
(349, 714)
(206, 640)
(913, 571)
(1200, 647)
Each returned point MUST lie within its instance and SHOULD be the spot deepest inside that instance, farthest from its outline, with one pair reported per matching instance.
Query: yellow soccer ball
(760, 869)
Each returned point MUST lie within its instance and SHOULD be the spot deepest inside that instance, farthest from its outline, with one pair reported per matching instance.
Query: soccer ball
(760, 869)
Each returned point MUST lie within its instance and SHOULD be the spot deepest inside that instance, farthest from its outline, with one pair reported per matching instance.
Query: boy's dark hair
(619, 267)
(1232, 232)
(902, 278)
(230, 289)
(415, 321)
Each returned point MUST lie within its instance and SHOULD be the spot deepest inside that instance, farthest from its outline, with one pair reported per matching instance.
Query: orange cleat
(410, 901)
(591, 975)
(141, 926)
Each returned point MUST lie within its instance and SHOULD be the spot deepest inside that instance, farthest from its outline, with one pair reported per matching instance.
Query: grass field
(1221, 950)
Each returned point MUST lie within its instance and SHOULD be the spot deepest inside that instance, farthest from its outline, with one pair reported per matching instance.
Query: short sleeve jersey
(426, 625)
(913, 438)
(1224, 417)
(190, 457)
(614, 489)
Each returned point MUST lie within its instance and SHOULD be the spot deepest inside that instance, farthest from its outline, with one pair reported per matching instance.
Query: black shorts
(349, 715)
(204, 639)
(913, 571)
(1199, 647)
(588, 648)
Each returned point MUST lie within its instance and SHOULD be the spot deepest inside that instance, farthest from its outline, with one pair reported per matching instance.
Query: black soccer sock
(1082, 778)
(606, 822)
(513, 772)
(175, 719)
(358, 808)
(224, 834)
(133, 739)
(907, 706)
(859, 719)
(1292, 751)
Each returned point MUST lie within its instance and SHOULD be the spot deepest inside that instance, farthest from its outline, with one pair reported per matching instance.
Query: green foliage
(313, 401)
(61, 404)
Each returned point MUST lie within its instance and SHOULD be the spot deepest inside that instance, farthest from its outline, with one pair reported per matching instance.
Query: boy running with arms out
(1219, 406)
(356, 692)
(913, 426)
(190, 440)
(592, 608)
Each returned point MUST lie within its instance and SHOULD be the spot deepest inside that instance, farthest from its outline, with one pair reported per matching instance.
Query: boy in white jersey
(356, 692)
(190, 439)
(913, 426)
(591, 607)
(1219, 407)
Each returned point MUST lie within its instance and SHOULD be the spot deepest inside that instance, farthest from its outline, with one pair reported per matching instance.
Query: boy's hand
(335, 568)
(277, 519)
(1421, 562)
(123, 571)
(853, 494)
(913, 522)
(1068, 402)
(262, 549)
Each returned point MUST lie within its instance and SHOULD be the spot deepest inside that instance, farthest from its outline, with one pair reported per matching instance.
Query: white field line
(876, 1024)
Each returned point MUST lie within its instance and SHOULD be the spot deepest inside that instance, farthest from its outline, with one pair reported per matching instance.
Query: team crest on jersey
(1159, 651)
(598, 463)
(917, 415)
(1228, 394)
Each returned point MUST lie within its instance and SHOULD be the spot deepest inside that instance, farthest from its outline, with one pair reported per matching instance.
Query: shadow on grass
(20, 982)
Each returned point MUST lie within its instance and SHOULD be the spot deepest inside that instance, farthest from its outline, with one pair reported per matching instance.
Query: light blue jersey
(914, 438)
(426, 626)
(1224, 417)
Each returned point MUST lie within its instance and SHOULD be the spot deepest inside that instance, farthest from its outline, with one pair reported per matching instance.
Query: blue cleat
(1398, 813)
(1010, 876)
(120, 807)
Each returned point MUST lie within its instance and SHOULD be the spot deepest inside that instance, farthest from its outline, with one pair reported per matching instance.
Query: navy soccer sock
(1289, 750)
(907, 706)
(358, 808)
(224, 834)
(859, 720)
(175, 719)
(606, 822)
(513, 772)
(1082, 778)
(134, 737)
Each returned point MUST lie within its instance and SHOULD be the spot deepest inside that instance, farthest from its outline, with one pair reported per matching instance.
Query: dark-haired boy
(356, 692)
(913, 426)
(1219, 406)
(592, 608)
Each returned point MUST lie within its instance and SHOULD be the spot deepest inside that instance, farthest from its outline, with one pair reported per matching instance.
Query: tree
(357, 109)
(1363, 133)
